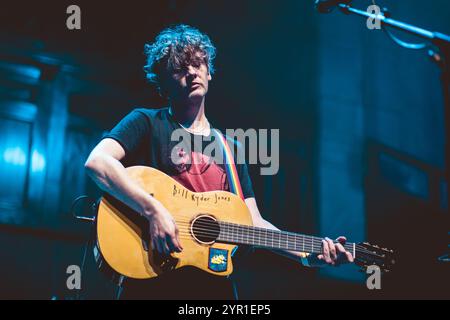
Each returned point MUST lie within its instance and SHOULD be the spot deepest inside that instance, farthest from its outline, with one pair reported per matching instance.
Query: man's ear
(209, 76)
(162, 86)
(162, 89)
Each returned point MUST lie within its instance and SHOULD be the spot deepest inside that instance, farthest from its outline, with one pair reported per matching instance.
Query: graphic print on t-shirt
(145, 134)
(198, 172)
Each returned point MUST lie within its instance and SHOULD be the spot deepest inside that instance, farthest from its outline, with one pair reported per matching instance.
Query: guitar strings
(245, 239)
(308, 239)
(261, 231)
(309, 243)
(244, 228)
(187, 235)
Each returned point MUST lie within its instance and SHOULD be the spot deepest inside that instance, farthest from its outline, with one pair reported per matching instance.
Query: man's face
(189, 82)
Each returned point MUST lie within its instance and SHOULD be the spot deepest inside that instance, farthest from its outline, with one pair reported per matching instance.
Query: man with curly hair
(180, 64)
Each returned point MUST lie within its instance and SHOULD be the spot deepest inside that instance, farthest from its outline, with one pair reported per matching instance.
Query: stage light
(37, 161)
(15, 156)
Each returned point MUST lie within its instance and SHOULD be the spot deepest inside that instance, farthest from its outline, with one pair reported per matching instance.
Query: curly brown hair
(177, 47)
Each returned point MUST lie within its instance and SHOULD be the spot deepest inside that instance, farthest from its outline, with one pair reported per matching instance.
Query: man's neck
(190, 114)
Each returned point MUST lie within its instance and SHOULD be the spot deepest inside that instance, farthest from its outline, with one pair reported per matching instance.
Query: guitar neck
(272, 239)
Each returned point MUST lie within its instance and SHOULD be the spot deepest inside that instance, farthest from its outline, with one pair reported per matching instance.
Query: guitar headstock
(367, 254)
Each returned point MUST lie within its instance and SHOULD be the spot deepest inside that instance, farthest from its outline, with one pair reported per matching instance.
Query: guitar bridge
(165, 263)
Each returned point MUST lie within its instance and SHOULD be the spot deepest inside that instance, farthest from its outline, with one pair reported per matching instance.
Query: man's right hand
(164, 234)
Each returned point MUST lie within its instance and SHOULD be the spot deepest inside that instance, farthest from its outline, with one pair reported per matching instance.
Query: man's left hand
(334, 254)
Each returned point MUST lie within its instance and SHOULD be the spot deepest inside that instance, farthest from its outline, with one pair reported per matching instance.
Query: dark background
(361, 134)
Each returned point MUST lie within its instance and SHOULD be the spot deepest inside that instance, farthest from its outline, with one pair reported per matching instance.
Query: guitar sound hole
(205, 229)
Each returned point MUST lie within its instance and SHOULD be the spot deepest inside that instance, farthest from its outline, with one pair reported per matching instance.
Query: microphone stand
(439, 51)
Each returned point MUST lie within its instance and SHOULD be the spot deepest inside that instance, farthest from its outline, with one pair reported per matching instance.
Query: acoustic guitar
(211, 226)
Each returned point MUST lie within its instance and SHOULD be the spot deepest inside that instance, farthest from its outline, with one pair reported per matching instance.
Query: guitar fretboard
(272, 239)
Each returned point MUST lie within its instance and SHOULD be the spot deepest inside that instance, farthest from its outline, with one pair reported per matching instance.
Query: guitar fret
(272, 239)
(279, 241)
(239, 233)
(248, 236)
(233, 231)
(245, 232)
(274, 234)
(259, 238)
(276, 243)
(280, 235)
(275, 239)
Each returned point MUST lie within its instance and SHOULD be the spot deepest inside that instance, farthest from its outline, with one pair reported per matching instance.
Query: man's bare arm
(104, 167)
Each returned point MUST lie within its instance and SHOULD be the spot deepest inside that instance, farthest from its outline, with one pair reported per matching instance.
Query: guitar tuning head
(371, 255)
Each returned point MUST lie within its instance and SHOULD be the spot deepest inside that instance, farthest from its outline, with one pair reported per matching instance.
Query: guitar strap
(235, 187)
(230, 166)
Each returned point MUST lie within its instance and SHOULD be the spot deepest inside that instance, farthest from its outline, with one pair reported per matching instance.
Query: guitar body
(123, 240)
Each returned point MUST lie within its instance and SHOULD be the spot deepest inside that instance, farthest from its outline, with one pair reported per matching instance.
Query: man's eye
(196, 64)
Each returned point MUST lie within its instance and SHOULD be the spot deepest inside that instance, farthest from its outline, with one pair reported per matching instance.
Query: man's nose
(191, 71)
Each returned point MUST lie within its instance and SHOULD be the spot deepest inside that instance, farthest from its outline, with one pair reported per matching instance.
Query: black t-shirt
(145, 135)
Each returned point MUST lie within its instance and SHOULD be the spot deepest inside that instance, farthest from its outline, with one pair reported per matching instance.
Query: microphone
(326, 6)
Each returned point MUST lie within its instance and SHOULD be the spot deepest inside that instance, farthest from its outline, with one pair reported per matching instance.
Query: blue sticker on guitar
(218, 259)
